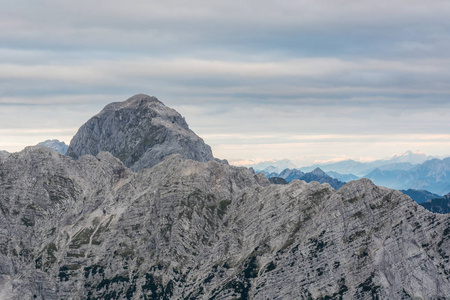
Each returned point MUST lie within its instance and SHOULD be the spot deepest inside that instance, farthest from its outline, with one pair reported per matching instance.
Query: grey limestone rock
(190, 227)
(183, 229)
(141, 132)
(3, 154)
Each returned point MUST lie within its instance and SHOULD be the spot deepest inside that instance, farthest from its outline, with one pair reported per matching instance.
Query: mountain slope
(438, 205)
(322, 177)
(343, 167)
(342, 177)
(405, 161)
(185, 229)
(272, 165)
(420, 196)
(141, 132)
(291, 174)
(92, 228)
(277, 180)
(433, 175)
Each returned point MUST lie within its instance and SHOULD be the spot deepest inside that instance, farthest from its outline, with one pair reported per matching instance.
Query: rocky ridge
(92, 228)
(141, 132)
(439, 205)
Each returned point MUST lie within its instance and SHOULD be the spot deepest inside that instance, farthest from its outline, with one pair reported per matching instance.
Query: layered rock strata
(183, 229)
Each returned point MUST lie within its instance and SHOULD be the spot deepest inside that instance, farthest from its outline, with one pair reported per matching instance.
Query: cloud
(316, 75)
(255, 27)
(255, 79)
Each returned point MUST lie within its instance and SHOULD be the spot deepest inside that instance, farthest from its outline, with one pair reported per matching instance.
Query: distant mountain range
(404, 161)
(273, 166)
(337, 180)
(316, 175)
(411, 170)
(153, 215)
(432, 175)
(342, 177)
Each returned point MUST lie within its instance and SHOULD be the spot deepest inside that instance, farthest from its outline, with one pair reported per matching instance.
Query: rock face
(141, 132)
(92, 229)
(3, 154)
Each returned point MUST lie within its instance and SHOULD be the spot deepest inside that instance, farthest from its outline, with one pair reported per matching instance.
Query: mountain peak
(134, 101)
(318, 171)
(415, 157)
(140, 131)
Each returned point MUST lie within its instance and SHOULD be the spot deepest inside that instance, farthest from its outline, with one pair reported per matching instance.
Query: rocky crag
(141, 132)
(93, 229)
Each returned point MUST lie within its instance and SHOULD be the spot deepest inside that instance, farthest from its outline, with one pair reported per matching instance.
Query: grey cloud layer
(296, 67)
(259, 25)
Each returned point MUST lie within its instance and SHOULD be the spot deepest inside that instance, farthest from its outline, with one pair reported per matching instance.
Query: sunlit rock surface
(93, 229)
(189, 227)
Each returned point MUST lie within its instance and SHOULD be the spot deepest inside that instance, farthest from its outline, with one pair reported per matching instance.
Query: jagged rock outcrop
(92, 229)
(141, 132)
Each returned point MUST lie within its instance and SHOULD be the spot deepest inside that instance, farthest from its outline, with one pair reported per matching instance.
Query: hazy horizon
(298, 163)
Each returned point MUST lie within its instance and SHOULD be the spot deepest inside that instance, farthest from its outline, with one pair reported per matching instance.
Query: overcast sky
(304, 80)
